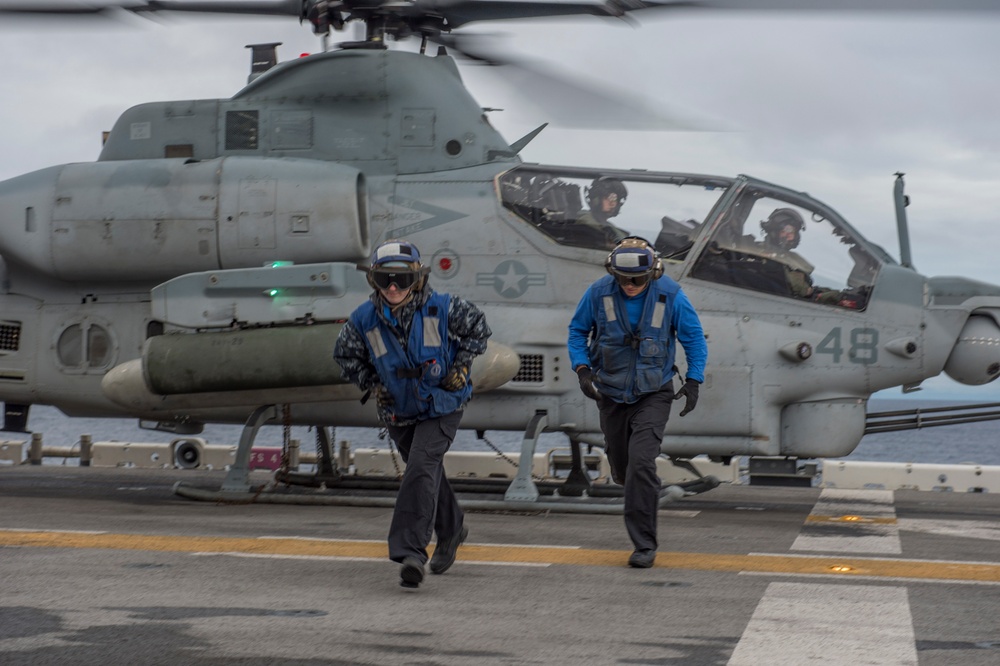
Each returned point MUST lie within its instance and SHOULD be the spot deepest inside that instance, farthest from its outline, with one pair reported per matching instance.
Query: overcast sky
(831, 105)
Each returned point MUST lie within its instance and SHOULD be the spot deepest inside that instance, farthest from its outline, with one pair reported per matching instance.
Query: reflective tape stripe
(432, 337)
(609, 308)
(377, 343)
(658, 310)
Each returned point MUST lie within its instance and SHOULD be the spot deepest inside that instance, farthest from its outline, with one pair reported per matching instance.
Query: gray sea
(966, 443)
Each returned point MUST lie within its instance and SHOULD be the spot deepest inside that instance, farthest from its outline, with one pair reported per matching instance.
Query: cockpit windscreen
(596, 212)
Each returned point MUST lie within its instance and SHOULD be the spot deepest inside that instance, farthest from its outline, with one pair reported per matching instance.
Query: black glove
(690, 391)
(383, 398)
(586, 376)
(456, 379)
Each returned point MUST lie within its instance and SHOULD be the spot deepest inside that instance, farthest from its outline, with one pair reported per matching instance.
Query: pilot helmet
(602, 187)
(634, 261)
(396, 262)
(777, 221)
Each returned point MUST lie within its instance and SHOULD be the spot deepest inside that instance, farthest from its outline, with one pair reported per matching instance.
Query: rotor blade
(567, 103)
(571, 104)
(461, 12)
(272, 8)
(466, 11)
(841, 6)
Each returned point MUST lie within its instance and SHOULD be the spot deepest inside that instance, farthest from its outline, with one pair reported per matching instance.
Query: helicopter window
(85, 346)
(594, 211)
(242, 130)
(70, 346)
(787, 249)
(98, 347)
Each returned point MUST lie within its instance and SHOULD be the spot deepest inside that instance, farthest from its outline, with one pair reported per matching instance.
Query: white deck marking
(851, 521)
(971, 529)
(805, 623)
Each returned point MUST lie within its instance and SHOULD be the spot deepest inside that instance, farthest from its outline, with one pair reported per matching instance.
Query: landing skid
(702, 484)
(236, 486)
(574, 494)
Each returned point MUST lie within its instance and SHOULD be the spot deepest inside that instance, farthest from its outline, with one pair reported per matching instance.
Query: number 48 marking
(863, 345)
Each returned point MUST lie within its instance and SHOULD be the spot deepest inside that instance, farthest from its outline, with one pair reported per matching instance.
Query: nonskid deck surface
(108, 566)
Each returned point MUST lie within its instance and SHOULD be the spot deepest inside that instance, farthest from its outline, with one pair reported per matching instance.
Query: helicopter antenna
(262, 58)
(902, 201)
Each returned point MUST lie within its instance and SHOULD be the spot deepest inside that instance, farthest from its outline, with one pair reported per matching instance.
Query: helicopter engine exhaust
(975, 359)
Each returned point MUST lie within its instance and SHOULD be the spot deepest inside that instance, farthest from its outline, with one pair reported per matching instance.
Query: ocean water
(977, 443)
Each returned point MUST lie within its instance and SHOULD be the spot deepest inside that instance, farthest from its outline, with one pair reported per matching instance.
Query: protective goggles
(402, 278)
(639, 280)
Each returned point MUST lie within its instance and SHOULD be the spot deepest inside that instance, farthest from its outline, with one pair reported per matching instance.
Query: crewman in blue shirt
(412, 348)
(621, 346)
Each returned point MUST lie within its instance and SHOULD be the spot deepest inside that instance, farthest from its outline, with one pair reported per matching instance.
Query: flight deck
(111, 566)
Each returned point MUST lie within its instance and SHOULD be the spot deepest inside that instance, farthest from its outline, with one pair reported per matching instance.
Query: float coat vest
(630, 364)
(413, 374)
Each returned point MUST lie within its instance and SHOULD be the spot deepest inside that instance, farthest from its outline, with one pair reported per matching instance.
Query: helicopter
(215, 240)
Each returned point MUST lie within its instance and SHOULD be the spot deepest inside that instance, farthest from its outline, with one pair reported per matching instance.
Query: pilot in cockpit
(605, 197)
(782, 233)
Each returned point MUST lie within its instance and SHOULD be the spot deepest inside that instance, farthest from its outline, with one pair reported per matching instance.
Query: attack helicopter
(199, 269)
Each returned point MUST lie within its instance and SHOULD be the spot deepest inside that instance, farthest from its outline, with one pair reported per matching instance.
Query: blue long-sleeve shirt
(684, 321)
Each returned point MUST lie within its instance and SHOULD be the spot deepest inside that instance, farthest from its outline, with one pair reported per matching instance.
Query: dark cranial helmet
(602, 187)
(396, 262)
(778, 220)
(634, 261)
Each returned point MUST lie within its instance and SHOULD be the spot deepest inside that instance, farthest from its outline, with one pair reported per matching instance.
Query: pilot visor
(402, 278)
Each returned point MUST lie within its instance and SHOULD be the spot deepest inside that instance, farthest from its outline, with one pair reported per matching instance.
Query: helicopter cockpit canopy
(760, 237)
(579, 208)
(774, 243)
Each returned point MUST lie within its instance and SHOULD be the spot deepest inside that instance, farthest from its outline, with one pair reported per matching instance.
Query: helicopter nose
(975, 359)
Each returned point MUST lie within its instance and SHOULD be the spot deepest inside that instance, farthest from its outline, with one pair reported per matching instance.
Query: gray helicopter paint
(768, 386)
(147, 219)
(432, 216)
(351, 107)
(373, 146)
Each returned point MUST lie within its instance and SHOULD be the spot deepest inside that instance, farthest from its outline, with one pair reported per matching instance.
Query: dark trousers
(425, 502)
(633, 435)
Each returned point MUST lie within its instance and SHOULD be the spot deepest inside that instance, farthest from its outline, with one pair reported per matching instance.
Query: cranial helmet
(602, 187)
(778, 220)
(634, 257)
(397, 262)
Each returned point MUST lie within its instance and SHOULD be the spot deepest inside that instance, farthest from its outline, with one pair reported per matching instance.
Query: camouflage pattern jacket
(467, 328)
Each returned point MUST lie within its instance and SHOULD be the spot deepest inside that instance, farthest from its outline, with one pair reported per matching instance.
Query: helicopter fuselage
(314, 162)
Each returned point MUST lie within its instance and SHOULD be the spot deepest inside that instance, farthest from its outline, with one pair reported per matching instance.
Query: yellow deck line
(845, 565)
